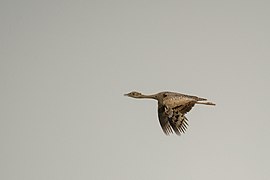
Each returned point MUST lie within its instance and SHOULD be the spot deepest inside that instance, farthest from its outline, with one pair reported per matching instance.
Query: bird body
(172, 108)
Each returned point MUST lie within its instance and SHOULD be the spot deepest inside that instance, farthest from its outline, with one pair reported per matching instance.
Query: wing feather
(163, 120)
(172, 120)
(178, 122)
(172, 110)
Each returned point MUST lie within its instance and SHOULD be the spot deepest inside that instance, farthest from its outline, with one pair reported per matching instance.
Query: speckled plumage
(172, 108)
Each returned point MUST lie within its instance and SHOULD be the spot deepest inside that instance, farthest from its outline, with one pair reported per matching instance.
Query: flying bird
(172, 108)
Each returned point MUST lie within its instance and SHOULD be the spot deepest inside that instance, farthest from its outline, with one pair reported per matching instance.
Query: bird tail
(206, 103)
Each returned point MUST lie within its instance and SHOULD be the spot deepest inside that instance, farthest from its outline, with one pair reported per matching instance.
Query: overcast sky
(65, 65)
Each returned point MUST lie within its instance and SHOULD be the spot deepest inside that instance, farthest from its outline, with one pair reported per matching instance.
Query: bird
(172, 108)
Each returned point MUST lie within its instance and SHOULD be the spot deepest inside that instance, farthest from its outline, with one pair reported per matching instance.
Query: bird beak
(125, 94)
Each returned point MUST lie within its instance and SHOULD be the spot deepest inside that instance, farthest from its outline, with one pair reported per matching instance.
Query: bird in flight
(172, 108)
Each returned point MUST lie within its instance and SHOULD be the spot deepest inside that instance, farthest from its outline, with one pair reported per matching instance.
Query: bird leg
(206, 103)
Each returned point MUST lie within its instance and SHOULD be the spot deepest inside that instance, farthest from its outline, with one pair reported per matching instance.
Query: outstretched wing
(172, 120)
(178, 121)
(172, 112)
(164, 120)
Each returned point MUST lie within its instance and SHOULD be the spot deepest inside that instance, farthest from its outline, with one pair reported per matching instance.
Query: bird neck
(148, 96)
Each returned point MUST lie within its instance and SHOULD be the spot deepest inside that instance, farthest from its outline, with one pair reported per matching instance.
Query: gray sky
(65, 65)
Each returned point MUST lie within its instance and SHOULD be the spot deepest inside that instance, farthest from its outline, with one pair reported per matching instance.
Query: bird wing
(172, 120)
(178, 121)
(164, 120)
(172, 112)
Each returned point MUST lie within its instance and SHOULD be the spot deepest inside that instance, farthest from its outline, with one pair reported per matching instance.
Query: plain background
(65, 65)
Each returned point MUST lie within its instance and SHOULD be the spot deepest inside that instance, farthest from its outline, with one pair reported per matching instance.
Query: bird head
(134, 94)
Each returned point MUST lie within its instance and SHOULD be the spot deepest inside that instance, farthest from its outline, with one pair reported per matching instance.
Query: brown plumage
(172, 108)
